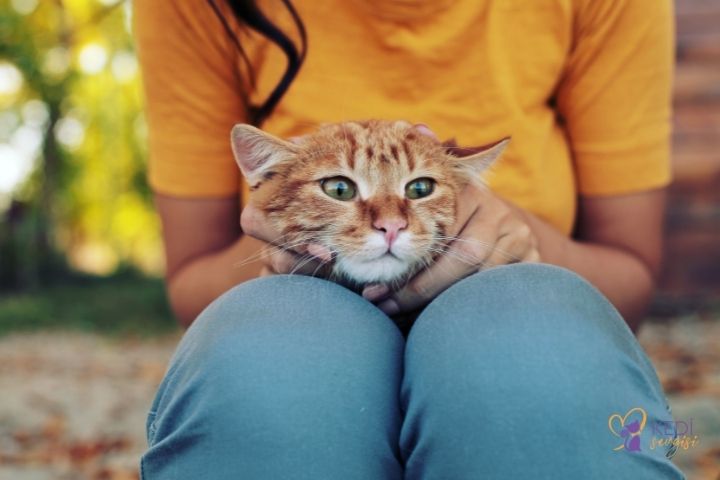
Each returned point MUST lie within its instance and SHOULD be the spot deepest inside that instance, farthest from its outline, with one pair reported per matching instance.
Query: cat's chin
(385, 269)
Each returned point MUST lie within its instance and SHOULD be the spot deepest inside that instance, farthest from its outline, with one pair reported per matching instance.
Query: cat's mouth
(384, 268)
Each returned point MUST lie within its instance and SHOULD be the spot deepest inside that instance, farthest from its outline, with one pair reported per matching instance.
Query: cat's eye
(419, 188)
(339, 188)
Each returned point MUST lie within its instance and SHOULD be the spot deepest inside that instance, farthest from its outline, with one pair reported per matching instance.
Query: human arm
(615, 102)
(193, 97)
(207, 253)
(618, 247)
(204, 250)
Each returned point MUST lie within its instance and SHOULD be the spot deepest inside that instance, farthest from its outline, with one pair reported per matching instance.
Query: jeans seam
(142, 468)
(152, 427)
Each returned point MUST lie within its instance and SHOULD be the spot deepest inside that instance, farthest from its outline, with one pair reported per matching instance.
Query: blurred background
(73, 198)
(85, 331)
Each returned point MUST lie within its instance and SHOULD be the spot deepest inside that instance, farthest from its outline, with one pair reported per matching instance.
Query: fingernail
(374, 292)
(319, 251)
(389, 307)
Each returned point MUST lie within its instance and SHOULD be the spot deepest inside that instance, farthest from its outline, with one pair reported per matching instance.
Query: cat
(379, 195)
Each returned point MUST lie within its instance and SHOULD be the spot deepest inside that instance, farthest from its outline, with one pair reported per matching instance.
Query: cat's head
(380, 195)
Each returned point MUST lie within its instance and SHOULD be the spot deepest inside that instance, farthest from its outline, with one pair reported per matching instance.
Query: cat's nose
(390, 227)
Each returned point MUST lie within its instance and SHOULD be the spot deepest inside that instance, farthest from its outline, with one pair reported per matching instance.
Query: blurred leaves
(50, 446)
(74, 405)
(86, 194)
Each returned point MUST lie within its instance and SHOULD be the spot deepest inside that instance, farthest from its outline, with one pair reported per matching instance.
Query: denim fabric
(510, 373)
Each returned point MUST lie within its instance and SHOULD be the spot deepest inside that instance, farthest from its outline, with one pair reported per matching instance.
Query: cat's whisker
(267, 252)
(304, 260)
(333, 275)
(481, 243)
(301, 262)
(460, 239)
(451, 239)
(462, 258)
(303, 212)
(475, 261)
(317, 269)
(438, 266)
(469, 259)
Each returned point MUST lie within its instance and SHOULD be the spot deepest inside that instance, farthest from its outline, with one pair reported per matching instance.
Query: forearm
(621, 276)
(196, 284)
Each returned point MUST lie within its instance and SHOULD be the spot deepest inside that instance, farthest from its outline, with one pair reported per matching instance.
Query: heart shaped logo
(628, 427)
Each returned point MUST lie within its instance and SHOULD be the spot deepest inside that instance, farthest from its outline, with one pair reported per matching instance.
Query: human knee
(281, 346)
(531, 300)
(522, 331)
(289, 307)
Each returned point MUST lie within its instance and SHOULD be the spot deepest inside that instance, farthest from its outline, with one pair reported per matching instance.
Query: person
(526, 370)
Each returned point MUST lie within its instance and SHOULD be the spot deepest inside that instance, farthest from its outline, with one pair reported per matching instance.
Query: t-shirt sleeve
(615, 96)
(193, 97)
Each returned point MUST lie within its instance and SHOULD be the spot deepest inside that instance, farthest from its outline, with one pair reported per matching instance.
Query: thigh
(281, 377)
(516, 372)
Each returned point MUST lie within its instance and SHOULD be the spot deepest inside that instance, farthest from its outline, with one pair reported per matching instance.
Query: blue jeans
(510, 373)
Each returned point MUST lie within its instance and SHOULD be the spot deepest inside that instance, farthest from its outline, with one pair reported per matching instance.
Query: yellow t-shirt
(582, 86)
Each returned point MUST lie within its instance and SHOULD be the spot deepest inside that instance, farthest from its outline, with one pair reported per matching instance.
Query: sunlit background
(72, 143)
(85, 331)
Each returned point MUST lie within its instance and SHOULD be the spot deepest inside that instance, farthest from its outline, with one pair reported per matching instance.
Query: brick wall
(693, 219)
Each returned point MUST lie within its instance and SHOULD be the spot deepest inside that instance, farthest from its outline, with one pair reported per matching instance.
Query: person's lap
(512, 372)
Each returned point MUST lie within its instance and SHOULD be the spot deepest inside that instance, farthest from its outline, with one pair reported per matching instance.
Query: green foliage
(87, 200)
(125, 304)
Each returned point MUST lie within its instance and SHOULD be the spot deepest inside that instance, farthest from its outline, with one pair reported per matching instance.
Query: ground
(74, 404)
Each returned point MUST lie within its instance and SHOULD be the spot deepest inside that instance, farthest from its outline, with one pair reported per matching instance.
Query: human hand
(278, 256)
(488, 232)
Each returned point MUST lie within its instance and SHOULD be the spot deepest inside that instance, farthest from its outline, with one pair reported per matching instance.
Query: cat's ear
(475, 161)
(257, 152)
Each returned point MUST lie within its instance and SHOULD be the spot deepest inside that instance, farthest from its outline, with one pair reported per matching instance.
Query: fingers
(449, 267)
(468, 203)
(319, 251)
(461, 259)
(533, 256)
(375, 292)
(282, 261)
(254, 223)
(492, 236)
(424, 287)
(303, 259)
(516, 245)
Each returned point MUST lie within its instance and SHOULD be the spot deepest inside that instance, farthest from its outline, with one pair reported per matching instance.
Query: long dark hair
(247, 13)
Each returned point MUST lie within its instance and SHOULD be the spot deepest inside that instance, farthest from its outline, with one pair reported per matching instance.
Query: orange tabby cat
(379, 195)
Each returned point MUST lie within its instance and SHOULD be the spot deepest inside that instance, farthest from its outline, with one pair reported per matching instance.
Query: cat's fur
(380, 157)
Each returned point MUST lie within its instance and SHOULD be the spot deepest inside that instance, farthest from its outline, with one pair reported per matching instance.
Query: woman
(518, 371)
